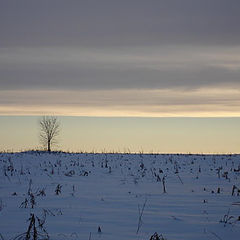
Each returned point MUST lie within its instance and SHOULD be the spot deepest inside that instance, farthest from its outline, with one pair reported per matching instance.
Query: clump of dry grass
(155, 236)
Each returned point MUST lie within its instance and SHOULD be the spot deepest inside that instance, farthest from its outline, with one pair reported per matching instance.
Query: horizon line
(140, 152)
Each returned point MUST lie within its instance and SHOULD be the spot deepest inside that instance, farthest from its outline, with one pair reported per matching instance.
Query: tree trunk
(49, 146)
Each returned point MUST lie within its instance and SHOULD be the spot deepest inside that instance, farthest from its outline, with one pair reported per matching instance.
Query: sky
(126, 134)
(128, 58)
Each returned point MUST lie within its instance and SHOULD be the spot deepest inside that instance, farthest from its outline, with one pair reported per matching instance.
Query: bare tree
(49, 130)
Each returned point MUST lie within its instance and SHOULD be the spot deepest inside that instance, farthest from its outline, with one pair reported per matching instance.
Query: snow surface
(109, 190)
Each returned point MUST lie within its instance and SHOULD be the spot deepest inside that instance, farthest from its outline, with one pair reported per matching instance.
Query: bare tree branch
(49, 130)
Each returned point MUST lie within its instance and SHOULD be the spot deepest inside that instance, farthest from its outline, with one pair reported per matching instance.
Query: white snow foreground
(119, 196)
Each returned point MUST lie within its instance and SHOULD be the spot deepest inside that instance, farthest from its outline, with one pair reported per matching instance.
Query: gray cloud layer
(73, 68)
(118, 23)
(154, 103)
(178, 45)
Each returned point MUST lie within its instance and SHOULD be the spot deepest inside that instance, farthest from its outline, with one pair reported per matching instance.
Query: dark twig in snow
(140, 214)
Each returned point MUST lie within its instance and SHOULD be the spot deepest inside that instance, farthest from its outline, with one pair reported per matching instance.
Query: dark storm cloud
(118, 23)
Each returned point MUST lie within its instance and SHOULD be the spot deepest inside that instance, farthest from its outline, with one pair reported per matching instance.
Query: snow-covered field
(74, 196)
